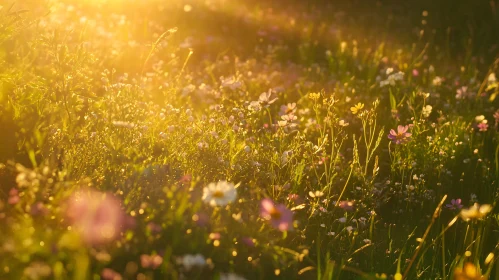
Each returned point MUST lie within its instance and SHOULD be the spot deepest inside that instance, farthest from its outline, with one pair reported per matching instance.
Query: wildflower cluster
(243, 140)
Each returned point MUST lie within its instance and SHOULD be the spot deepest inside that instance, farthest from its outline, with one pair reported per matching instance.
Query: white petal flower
(255, 106)
(427, 111)
(479, 118)
(188, 89)
(285, 156)
(343, 123)
(219, 194)
(189, 261)
(437, 81)
(231, 276)
(492, 78)
(231, 82)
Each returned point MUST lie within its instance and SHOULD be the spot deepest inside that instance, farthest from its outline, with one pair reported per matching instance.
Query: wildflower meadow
(249, 139)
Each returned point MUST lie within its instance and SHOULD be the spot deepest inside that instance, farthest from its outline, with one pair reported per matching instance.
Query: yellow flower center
(400, 136)
(275, 214)
(218, 194)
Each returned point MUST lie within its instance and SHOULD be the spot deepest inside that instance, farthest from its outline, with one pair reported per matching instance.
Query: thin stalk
(345, 186)
(443, 254)
(154, 45)
(319, 256)
(436, 214)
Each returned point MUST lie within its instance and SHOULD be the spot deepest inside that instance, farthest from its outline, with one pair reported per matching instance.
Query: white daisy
(219, 194)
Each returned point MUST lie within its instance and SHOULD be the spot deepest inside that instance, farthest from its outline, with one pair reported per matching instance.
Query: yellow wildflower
(475, 212)
(468, 272)
(314, 95)
(356, 109)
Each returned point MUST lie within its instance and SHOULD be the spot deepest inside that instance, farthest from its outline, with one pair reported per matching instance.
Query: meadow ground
(249, 139)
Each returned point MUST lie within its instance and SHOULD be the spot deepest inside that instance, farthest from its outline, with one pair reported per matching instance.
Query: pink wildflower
(279, 216)
(13, 196)
(98, 216)
(150, 261)
(482, 126)
(346, 205)
(463, 93)
(496, 117)
(401, 135)
(293, 197)
(109, 274)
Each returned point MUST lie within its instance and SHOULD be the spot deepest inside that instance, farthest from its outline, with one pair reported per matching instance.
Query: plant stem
(433, 219)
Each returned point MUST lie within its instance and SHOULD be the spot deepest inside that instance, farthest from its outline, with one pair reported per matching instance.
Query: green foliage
(147, 147)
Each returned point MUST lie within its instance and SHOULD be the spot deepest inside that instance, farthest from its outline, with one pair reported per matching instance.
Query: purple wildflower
(201, 219)
(153, 228)
(454, 204)
(39, 209)
(279, 216)
(248, 241)
(401, 135)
